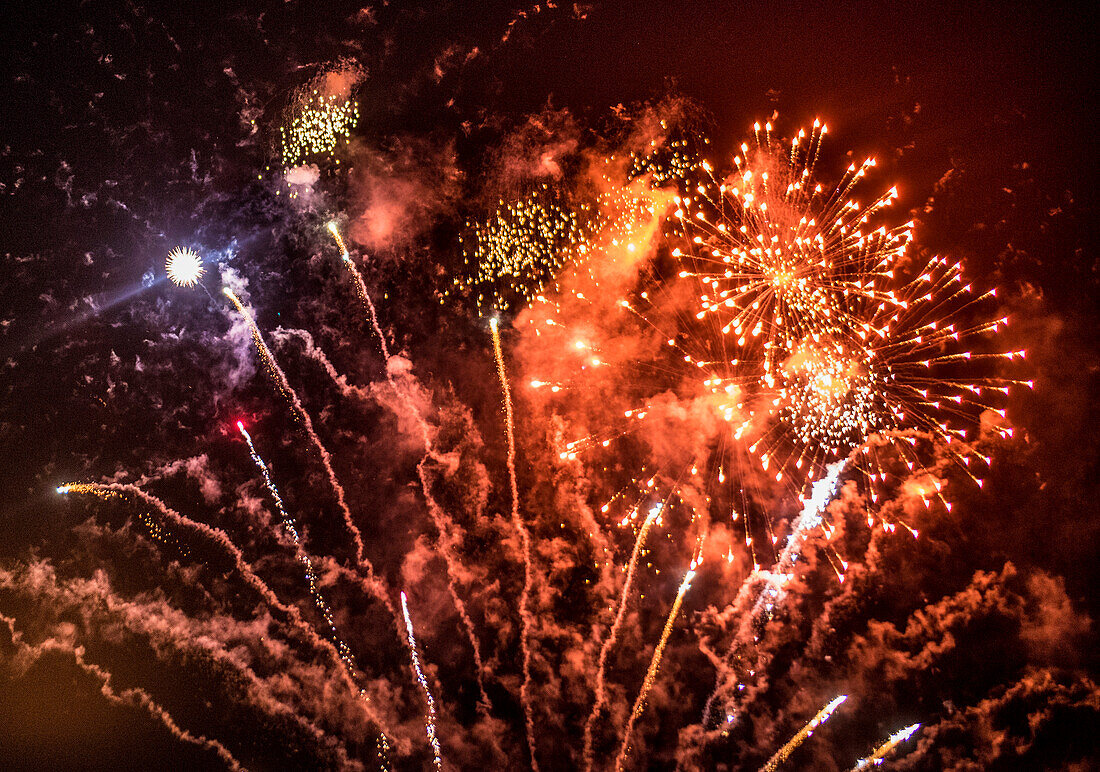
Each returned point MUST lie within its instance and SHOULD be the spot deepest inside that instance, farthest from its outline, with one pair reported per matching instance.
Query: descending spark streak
(433, 740)
(300, 413)
(803, 733)
(765, 589)
(808, 520)
(436, 511)
(311, 574)
(525, 539)
(361, 288)
(884, 750)
(654, 665)
(107, 490)
(612, 636)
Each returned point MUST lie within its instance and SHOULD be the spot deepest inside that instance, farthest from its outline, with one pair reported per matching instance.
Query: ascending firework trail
(439, 519)
(294, 618)
(613, 634)
(525, 539)
(429, 723)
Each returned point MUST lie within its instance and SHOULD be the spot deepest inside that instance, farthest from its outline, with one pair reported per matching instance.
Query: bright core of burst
(184, 267)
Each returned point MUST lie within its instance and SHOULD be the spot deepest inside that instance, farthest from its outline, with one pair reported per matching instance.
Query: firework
(184, 267)
(600, 692)
(124, 491)
(317, 124)
(299, 412)
(525, 540)
(311, 574)
(519, 249)
(436, 512)
(654, 666)
(429, 722)
(361, 288)
(808, 316)
(803, 733)
(882, 751)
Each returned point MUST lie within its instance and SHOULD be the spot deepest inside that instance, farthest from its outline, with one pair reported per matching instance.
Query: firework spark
(525, 540)
(613, 635)
(125, 492)
(429, 722)
(361, 288)
(884, 750)
(802, 734)
(816, 318)
(184, 267)
(446, 546)
(318, 123)
(654, 666)
(303, 557)
(520, 249)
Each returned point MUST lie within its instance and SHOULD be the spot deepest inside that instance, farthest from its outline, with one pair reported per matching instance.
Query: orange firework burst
(809, 317)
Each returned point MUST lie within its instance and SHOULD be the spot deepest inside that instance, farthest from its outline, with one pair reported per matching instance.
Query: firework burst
(184, 267)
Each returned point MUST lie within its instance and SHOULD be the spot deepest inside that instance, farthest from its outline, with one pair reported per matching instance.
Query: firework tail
(882, 751)
(361, 288)
(654, 666)
(439, 518)
(311, 574)
(277, 374)
(612, 636)
(803, 733)
(429, 719)
(217, 536)
(763, 590)
(525, 540)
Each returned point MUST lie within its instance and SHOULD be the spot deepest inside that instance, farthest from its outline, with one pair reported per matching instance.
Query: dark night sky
(127, 129)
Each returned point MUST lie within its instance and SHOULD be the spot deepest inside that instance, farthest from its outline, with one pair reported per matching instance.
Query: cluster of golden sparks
(519, 249)
(318, 123)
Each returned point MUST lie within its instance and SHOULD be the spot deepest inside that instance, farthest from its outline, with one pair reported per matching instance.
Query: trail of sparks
(429, 723)
(807, 521)
(803, 733)
(300, 413)
(768, 586)
(361, 288)
(654, 665)
(107, 491)
(525, 539)
(303, 557)
(882, 751)
(437, 514)
(613, 635)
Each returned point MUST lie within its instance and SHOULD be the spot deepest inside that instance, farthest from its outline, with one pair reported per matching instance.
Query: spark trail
(107, 491)
(803, 733)
(361, 288)
(765, 589)
(429, 723)
(438, 516)
(303, 557)
(613, 634)
(882, 751)
(525, 539)
(654, 666)
(299, 411)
